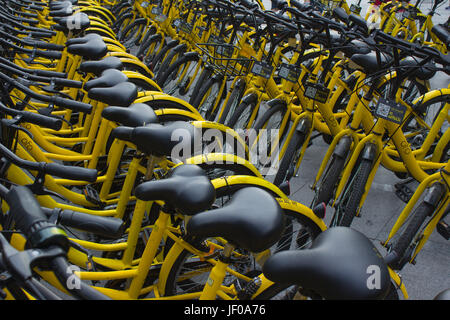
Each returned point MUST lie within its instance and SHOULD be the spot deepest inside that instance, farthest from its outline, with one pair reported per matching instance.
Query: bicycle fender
(273, 102)
(191, 55)
(180, 48)
(304, 125)
(369, 152)
(250, 98)
(343, 147)
(172, 43)
(434, 194)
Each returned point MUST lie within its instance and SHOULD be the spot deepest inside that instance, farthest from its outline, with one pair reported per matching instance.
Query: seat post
(217, 274)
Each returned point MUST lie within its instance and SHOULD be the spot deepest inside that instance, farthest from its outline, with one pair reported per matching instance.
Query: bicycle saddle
(160, 140)
(91, 46)
(97, 67)
(76, 22)
(136, 115)
(355, 47)
(61, 9)
(122, 94)
(187, 189)
(108, 78)
(252, 220)
(340, 264)
(425, 72)
(369, 62)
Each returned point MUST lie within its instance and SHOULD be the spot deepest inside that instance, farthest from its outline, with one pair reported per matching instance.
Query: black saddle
(369, 63)
(425, 72)
(136, 115)
(122, 94)
(61, 9)
(76, 22)
(97, 67)
(355, 47)
(186, 189)
(342, 263)
(108, 78)
(91, 46)
(160, 140)
(251, 220)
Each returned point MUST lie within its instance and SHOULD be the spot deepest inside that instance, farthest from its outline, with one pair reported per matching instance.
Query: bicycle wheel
(150, 47)
(352, 195)
(179, 75)
(404, 245)
(290, 159)
(208, 97)
(241, 116)
(173, 55)
(324, 192)
(233, 102)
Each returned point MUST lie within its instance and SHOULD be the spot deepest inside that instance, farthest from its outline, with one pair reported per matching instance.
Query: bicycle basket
(225, 59)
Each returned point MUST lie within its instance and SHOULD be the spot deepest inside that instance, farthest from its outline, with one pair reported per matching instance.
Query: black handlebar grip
(68, 83)
(70, 172)
(107, 227)
(41, 120)
(73, 105)
(53, 55)
(48, 46)
(30, 219)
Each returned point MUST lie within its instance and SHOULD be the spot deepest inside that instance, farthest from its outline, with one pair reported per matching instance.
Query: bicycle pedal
(403, 193)
(92, 196)
(443, 229)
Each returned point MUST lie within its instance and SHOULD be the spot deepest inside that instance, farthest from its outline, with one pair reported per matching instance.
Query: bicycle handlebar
(35, 118)
(48, 242)
(62, 171)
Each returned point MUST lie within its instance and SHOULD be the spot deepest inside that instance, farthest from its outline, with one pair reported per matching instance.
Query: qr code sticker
(383, 110)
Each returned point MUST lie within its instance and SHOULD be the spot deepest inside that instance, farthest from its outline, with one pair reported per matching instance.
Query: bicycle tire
(404, 241)
(146, 43)
(206, 98)
(232, 103)
(241, 116)
(329, 181)
(289, 161)
(355, 189)
(171, 57)
(171, 74)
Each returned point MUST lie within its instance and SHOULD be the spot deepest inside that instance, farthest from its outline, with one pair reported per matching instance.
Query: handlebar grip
(29, 218)
(73, 105)
(70, 172)
(68, 83)
(53, 55)
(41, 120)
(48, 46)
(107, 227)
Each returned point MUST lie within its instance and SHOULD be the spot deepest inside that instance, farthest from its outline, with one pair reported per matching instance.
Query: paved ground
(431, 273)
